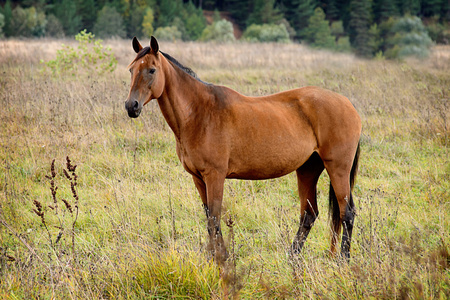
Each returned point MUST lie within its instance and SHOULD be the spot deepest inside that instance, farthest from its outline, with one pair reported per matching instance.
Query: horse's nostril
(136, 105)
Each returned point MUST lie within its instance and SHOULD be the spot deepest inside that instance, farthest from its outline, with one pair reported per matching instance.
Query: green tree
(318, 32)
(167, 11)
(332, 11)
(54, 27)
(434, 7)
(264, 12)
(384, 9)
(28, 22)
(2, 24)
(109, 23)
(66, 12)
(239, 11)
(411, 7)
(298, 12)
(87, 11)
(147, 22)
(375, 42)
(359, 27)
(7, 13)
(194, 21)
(134, 19)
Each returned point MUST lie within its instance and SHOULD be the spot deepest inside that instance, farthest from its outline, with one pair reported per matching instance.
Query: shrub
(437, 31)
(267, 33)
(169, 33)
(343, 44)
(220, 31)
(90, 58)
(408, 37)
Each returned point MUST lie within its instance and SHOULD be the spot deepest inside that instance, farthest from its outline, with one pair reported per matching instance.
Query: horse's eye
(152, 71)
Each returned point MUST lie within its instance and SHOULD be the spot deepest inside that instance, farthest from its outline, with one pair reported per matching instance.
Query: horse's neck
(181, 94)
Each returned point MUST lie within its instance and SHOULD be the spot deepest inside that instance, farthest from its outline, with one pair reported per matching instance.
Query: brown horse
(222, 134)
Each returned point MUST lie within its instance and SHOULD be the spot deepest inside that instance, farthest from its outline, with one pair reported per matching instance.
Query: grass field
(131, 225)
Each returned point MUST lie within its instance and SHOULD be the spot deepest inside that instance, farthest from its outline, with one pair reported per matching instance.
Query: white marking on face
(142, 62)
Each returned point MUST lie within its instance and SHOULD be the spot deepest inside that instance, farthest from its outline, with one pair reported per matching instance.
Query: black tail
(334, 206)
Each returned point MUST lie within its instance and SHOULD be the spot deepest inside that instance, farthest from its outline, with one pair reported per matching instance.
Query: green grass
(141, 229)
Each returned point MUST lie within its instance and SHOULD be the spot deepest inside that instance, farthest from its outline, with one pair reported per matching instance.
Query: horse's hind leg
(307, 176)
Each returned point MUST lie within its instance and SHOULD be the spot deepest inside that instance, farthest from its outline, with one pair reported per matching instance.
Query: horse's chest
(185, 158)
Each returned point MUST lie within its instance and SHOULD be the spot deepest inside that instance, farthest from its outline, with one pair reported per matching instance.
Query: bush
(27, 22)
(437, 31)
(408, 37)
(343, 44)
(169, 33)
(267, 33)
(109, 23)
(94, 59)
(220, 31)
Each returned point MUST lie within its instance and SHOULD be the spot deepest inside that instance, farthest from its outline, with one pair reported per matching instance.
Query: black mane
(189, 71)
(179, 65)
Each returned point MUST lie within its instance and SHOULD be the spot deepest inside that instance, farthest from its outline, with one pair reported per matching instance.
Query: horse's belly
(268, 162)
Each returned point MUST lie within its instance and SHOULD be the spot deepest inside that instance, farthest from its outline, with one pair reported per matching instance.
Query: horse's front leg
(210, 189)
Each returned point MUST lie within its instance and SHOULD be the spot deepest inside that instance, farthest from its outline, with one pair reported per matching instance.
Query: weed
(93, 60)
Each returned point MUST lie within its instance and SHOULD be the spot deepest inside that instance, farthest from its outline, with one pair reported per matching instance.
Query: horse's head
(147, 80)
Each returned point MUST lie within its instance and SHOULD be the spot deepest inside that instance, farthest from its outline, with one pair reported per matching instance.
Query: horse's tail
(334, 206)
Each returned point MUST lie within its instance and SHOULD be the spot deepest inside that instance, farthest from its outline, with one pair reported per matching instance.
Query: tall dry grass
(141, 231)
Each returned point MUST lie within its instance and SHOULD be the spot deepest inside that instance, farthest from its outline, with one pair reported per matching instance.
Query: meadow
(127, 223)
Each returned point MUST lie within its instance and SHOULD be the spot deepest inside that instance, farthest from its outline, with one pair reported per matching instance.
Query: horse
(221, 134)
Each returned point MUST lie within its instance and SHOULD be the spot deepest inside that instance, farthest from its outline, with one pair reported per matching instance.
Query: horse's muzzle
(133, 108)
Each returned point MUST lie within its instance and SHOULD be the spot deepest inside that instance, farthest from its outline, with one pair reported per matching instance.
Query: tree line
(392, 28)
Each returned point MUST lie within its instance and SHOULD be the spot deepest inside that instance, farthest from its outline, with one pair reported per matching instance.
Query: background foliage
(367, 26)
(140, 231)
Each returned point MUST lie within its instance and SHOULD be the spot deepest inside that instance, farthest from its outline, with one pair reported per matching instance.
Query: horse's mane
(146, 50)
(179, 65)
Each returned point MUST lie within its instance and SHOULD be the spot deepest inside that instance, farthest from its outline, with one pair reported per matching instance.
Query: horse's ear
(154, 45)
(136, 45)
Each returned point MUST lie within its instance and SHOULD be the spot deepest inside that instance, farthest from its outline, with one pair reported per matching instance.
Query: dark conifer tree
(432, 8)
(411, 7)
(7, 13)
(298, 12)
(87, 10)
(239, 11)
(384, 9)
(264, 12)
(359, 27)
(66, 12)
